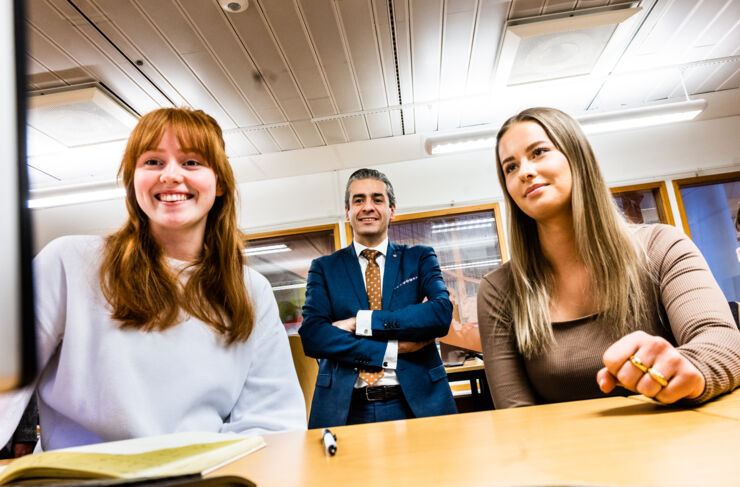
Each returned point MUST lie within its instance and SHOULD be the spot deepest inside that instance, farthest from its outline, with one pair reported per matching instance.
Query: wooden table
(473, 370)
(610, 441)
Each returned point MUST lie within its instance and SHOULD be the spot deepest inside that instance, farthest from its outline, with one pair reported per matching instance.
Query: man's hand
(350, 324)
(410, 347)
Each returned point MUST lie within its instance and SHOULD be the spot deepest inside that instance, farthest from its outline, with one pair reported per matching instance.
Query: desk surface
(610, 441)
(468, 366)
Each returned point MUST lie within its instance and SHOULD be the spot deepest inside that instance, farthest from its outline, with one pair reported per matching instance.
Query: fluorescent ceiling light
(480, 263)
(462, 223)
(642, 116)
(267, 249)
(461, 141)
(72, 198)
(592, 124)
(289, 286)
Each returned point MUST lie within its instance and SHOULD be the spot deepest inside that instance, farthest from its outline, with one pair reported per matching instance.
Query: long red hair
(134, 276)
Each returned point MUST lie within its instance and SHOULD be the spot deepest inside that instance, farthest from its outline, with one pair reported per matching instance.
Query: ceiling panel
(308, 133)
(459, 27)
(238, 145)
(150, 41)
(358, 23)
(286, 23)
(355, 127)
(725, 20)
(324, 30)
(213, 78)
(720, 79)
(732, 82)
(215, 29)
(60, 41)
(384, 36)
(259, 42)
(286, 138)
(526, 8)
(557, 6)
(332, 131)
(403, 53)
(426, 51)
(262, 140)
(296, 74)
(119, 51)
(379, 125)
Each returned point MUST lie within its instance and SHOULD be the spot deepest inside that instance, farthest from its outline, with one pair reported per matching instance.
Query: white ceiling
(289, 75)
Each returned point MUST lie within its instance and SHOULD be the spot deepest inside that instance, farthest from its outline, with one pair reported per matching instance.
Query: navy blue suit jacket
(336, 291)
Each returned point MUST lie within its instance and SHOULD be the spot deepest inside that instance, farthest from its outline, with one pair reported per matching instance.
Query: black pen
(329, 440)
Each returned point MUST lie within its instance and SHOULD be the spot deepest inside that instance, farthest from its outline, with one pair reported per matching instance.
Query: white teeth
(173, 197)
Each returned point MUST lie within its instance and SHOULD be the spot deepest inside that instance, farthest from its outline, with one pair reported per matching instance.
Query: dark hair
(366, 173)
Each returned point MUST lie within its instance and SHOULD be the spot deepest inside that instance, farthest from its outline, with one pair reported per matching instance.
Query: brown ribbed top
(693, 315)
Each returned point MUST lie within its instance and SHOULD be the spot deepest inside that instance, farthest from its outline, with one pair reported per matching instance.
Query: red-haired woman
(160, 327)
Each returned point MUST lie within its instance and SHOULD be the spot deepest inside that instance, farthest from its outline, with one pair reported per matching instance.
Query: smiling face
(536, 173)
(175, 188)
(369, 211)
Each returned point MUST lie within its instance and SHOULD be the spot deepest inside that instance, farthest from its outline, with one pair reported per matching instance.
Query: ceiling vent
(79, 116)
(558, 46)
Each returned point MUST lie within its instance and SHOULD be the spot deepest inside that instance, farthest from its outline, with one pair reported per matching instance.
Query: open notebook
(187, 455)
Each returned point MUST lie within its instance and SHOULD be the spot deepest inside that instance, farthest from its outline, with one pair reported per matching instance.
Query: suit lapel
(392, 265)
(354, 272)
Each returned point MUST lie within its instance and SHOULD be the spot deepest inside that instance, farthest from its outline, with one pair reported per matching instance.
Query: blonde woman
(160, 327)
(589, 305)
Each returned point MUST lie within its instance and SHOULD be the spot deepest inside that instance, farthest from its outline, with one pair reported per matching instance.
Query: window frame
(494, 207)
(727, 177)
(334, 227)
(660, 193)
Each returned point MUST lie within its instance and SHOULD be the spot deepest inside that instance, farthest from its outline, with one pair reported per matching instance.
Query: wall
(628, 157)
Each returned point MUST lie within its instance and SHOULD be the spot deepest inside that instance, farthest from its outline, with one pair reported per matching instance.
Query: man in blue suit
(372, 312)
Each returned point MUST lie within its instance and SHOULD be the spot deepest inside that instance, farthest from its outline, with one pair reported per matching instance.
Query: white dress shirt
(364, 319)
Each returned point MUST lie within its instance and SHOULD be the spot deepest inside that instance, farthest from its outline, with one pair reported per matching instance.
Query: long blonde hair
(611, 255)
(134, 276)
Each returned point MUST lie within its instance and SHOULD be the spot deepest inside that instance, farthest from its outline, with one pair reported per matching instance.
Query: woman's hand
(651, 366)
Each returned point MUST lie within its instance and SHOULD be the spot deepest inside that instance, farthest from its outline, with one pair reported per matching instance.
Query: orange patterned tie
(374, 293)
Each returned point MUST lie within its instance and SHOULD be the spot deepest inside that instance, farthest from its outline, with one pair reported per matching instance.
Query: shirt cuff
(390, 359)
(363, 327)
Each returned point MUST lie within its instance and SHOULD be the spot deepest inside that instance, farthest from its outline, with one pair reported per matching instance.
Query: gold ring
(638, 363)
(658, 377)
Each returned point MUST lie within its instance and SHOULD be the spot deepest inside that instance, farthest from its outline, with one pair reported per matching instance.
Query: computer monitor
(17, 344)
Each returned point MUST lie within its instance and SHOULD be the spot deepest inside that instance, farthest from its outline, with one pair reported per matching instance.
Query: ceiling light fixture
(267, 249)
(596, 123)
(73, 196)
(642, 116)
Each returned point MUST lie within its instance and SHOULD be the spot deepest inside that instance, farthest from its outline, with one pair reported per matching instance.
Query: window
(709, 206)
(644, 203)
(466, 241)
(284, 259)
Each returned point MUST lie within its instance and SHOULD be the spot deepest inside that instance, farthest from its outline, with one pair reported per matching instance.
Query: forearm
(417, 322)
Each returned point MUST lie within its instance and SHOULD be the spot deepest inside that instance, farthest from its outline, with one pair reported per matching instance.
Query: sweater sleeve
(505, 370)
(50, 297)
(697, 311)
(271, 399)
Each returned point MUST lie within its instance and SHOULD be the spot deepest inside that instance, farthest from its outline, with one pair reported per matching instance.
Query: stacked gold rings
(656, 375)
